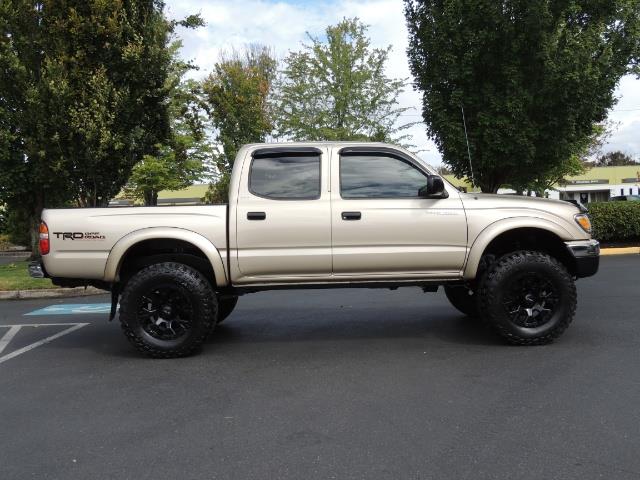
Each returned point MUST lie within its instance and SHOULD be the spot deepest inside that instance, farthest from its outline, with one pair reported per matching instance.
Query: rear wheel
(226, 305)
(167, 310)
(527, 297)
(463, 298)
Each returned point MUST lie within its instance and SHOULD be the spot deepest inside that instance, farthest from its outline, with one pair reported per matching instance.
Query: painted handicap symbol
(72, 309)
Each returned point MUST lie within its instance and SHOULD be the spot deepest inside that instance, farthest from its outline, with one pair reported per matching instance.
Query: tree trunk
(150, 198)
(490, 182)
(488, 188)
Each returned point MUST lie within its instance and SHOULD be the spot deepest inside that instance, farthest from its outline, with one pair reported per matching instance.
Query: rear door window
(286, 177)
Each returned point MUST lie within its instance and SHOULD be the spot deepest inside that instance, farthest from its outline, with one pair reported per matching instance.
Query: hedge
(615, 221)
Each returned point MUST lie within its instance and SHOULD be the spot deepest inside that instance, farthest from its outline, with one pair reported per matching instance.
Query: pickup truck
(319, 215)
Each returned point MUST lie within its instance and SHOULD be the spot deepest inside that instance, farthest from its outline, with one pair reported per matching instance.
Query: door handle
(351, 215)
(256, 215)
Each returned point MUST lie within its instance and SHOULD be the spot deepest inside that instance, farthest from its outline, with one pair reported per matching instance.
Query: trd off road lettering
(79, 236)
(320, 215)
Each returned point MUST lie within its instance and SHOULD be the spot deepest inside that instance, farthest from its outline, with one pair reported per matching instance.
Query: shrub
(4, 242)
(17, 227)
(615, 221)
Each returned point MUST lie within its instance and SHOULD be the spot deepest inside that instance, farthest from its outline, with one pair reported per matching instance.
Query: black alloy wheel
(531, 300)
(165, 312)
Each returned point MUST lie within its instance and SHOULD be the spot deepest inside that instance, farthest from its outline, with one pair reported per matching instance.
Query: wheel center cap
(167, 311)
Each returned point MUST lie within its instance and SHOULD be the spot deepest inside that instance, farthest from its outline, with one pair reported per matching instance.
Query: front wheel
(167, 310)
(527, 297)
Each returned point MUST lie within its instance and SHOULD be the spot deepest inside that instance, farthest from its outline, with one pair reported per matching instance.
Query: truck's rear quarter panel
(81, 239)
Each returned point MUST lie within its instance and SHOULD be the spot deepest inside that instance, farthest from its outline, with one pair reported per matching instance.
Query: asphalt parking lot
(345, 384)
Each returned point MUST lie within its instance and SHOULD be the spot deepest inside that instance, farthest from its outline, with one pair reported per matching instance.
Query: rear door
(283, 219)
(381, 226)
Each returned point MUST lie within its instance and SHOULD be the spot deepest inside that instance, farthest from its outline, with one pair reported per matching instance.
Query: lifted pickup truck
(318, 215)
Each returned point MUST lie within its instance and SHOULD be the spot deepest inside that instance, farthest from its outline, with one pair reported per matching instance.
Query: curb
(51, 293)
(620, 251)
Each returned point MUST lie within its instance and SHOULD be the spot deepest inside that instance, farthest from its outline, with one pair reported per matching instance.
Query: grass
(15, 276)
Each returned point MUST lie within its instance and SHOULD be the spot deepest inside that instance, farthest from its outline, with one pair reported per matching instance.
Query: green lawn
(14, 276)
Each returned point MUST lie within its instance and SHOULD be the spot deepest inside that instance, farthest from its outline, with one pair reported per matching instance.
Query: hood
(491, 200)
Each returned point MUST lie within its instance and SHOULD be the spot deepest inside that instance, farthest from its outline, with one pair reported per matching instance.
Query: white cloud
(283, 25)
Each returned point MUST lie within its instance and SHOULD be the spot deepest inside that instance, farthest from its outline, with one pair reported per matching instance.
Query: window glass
(286, 177)
(372, 176)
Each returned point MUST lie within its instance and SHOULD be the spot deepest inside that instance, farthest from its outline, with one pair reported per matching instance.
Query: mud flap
(115, 294)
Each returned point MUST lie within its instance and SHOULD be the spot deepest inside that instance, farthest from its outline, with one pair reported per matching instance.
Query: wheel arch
(519, 233)
(164, 239)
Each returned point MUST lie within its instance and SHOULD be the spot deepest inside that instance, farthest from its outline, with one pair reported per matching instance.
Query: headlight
(584, 222)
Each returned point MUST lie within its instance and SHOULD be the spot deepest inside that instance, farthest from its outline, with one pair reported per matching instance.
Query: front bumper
(586, 254)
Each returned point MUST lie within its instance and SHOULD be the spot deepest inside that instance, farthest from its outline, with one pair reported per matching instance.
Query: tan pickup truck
(318, 215)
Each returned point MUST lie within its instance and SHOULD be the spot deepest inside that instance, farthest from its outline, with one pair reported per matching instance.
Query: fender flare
(123, 245)
(492, 231)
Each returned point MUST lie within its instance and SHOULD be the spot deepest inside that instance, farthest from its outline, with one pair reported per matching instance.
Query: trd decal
(79, 235)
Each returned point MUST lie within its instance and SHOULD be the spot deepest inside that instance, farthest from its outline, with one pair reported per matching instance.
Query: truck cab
(342, 213)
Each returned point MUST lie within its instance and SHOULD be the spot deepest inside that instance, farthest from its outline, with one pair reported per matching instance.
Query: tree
(237, 93)
(443, 170)
(186, 155)
(83, 98)
(615, 159)
(337, 89)
(533, 77)
(540, 184)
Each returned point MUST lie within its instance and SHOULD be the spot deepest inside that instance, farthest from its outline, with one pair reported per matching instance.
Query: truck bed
(84, 237)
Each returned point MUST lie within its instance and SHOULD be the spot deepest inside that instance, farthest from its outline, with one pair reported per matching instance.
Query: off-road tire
(195, 287)
(226, 305)
(508, 269)
(460, 298)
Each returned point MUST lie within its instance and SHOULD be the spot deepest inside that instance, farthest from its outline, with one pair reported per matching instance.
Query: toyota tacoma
(319, 215)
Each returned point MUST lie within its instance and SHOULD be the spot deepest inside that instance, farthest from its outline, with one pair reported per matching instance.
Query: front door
(283, 215)
(381, 226)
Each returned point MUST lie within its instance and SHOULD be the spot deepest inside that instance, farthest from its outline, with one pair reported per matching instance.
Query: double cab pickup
(319, 215)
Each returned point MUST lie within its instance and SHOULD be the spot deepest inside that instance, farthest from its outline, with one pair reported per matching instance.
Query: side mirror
(434, 188)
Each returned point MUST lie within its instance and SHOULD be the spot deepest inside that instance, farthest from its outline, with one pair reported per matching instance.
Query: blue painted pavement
(73, 309)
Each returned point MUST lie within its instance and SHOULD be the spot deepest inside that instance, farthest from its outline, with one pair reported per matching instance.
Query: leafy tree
(237, 94)
(337, 89)
(540, 184)
(83, 98)
(186, 155)
(615, 159)
(443, 170)
(16, 226)
(532, 76)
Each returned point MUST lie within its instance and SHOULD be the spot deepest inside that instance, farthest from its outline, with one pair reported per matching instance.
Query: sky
(283, 25)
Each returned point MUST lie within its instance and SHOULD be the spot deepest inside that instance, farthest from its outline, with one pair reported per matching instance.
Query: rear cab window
(286, 175)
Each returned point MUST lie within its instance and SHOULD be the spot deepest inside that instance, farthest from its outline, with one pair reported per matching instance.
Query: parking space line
(6, 338)
(16, 328)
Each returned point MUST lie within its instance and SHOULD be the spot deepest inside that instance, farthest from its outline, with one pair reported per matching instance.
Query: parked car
(626, 198)
(319, 215)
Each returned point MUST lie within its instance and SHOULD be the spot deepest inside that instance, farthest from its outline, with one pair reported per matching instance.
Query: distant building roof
(595, 175)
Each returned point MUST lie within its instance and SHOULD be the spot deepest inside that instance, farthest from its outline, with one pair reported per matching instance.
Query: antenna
(464, 122)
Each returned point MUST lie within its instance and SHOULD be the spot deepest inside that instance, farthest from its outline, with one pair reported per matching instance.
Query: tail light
(44, 239)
